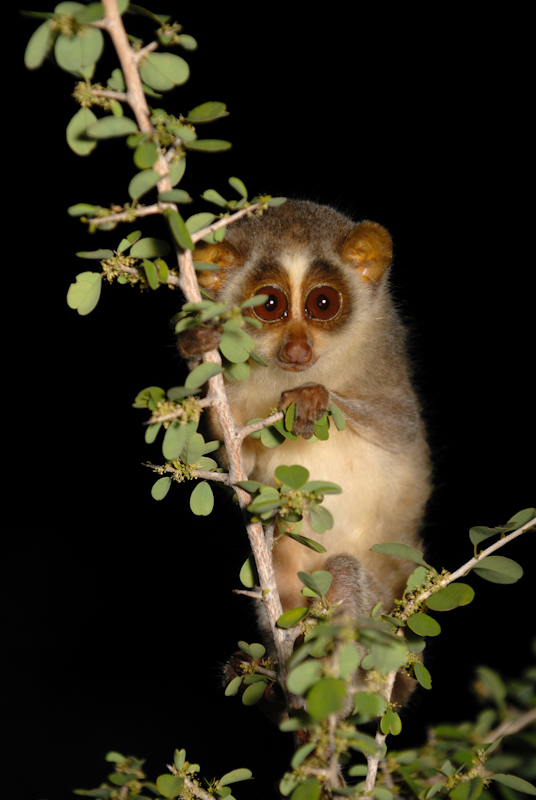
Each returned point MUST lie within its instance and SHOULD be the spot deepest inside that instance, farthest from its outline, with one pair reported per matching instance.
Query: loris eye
(275, 308)
(323, 303)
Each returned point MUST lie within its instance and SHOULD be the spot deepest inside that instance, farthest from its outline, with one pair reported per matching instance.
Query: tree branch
(373, 761)
(465, 568)
(510, 726)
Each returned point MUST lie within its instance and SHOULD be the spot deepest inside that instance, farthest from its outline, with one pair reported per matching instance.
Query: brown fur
(357, 361)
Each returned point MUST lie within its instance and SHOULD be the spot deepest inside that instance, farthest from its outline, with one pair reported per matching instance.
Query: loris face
(318, 271)
(307, 302)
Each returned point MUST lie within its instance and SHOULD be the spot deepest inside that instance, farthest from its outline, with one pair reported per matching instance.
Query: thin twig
(469, 565)
(372, 761)
(511, 726)
(246, 430)
(223, 221)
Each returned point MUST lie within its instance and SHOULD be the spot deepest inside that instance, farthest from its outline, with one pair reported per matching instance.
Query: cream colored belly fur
(382, 500)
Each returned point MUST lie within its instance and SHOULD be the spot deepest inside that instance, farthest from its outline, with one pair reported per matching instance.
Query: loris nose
(296, 352)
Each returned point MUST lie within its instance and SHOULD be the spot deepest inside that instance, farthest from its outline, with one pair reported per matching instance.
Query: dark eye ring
(323, 303)
(275, 308)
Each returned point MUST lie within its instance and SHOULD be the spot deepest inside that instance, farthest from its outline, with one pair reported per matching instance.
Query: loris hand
(312, 401)
(193, 342)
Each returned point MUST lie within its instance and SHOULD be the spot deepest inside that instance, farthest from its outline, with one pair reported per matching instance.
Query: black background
(118, 609)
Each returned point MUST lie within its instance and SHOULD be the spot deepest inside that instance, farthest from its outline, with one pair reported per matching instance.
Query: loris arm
(392, 423)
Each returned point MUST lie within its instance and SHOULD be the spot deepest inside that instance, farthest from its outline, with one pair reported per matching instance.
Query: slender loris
(330, 334)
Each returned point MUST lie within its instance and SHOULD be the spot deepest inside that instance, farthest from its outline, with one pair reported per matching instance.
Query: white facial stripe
(295, 263)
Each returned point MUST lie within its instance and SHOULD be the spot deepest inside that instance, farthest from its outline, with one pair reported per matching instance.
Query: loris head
(320, 272)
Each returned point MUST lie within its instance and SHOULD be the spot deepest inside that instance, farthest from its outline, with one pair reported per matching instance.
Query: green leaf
(174, 440)
(417, 577)
(492, 685)
(235, 776)
(291, 617)
(151, 274)
(423, 625)
(202, 499)
(78, 51)
(237, 372)
(318, 582)
(301, 754)
(39, 45)
(468, 790)
(257, 651)
(177, 169)
(145, 155)
(85, 293)
(248, 573)
(308, 790)
(178, 229)
(169, 785)
(254, 693)
(95, 255)
(338, 417)
(322, 487)
(391, 723)
(163, 71)
(321, 518)
(249, 486)
(128, 241)
(212, 196)
(110, 127)
(82, 209)
(179, 757)
(368, 706)
(142, 183)
(207, 112)
(267, 500)
(201, 374)
(326, 697)
(239, 187)
(161, 488)
(235, 343)
(478, 533)
(499, 569)
(151, 432)
(175, 196)
(187, 42)
(199, 221)
(148, 247)
(388, 653)
(513, 782)
(400, 550)
(521, 518)
(348, 660)
(77, 138)
(232, 688)
(271, 437)
(422, 675)
(310, 543)
(294, 477)
(149, 397)
(290, 412)
(304, 676)
(452, 596)
(179, 392)
(194, 449)
(208, 145)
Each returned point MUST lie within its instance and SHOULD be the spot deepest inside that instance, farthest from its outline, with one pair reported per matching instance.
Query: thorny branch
(188, 284)
(373, 761)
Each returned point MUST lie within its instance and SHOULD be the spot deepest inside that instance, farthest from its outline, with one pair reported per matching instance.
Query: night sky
(119, 610)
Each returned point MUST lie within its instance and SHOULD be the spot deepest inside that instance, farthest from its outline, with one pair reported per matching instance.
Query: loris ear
(224, 255)
(369, 249)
